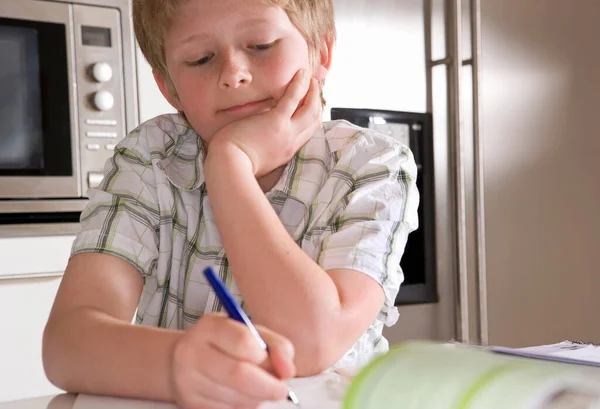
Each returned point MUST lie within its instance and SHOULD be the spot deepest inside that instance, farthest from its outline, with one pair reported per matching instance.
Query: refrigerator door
(540, 96)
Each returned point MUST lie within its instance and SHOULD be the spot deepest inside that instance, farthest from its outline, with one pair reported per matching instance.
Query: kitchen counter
(323, 391)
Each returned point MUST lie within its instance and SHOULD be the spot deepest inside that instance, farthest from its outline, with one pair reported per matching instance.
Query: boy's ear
(165, 89)
(325, 54)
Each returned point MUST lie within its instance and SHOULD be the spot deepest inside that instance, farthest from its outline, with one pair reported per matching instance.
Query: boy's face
(229, 59)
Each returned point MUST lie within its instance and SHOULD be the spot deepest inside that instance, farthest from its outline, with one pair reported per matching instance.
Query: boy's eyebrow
(252, 22)
(193, 37)
(245, 23)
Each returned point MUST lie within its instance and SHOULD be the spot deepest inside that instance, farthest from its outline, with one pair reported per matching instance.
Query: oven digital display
(96, 36)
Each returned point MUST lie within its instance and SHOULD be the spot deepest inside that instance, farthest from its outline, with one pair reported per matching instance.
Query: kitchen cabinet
(30, 274)
(26, 303)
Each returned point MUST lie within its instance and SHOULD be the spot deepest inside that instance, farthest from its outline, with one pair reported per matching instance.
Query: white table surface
(324, 391)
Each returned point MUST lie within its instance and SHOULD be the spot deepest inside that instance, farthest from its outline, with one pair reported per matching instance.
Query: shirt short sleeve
(122, 217)
(373, 212)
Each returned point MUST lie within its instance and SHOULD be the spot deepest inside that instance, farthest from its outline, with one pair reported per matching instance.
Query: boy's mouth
(245, 107)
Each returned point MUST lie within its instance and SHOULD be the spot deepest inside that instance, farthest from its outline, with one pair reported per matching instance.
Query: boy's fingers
(219, 394)
(281, 353)
(247, 378)
(233, 338)
(294, 93)
(308, 116)
(307, 119)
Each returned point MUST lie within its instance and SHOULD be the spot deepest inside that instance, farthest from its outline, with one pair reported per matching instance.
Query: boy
(304, 221)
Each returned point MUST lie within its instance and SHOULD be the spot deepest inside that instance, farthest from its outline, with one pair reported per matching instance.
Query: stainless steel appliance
(513, 90)
(415, 131)
(67, 96)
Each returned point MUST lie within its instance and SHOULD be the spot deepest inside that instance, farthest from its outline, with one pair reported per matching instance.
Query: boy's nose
(234, 72)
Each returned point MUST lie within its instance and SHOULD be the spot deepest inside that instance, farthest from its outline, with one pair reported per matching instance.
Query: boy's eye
(201, 61)
(261, 47)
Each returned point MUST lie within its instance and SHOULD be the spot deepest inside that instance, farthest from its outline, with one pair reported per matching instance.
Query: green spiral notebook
(428, 375)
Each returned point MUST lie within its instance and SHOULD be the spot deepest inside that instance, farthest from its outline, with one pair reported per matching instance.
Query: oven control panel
(100, 88)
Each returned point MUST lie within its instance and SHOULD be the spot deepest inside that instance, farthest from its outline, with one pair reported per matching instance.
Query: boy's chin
(228, 121)
(243, 115)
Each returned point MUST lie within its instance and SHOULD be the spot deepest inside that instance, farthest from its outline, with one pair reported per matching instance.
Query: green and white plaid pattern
(348, 199)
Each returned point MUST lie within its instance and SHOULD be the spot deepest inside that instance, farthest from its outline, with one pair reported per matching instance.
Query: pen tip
(293, 398)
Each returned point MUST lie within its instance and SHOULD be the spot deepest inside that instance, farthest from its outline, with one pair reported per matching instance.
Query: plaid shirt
(348, 198)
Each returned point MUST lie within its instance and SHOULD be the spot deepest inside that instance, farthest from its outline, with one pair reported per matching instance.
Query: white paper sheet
(323, 391)
(566, 351)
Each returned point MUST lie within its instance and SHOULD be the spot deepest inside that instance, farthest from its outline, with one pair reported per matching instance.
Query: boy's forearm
(284, 289)
(91, 352)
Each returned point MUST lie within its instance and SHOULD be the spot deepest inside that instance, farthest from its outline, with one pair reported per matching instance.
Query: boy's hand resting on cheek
(218, 364)
(270, 139)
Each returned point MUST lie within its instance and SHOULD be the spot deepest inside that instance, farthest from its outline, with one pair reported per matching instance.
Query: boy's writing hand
(272, 138)
(218, 364)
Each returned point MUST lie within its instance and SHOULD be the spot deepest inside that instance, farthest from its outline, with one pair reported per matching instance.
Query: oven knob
(102, 72)
(104, 100)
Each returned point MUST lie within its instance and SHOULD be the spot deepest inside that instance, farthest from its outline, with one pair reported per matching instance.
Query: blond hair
(152, 20)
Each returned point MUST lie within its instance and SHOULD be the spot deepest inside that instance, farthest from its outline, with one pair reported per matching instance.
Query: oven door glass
(37, 144)
(35, 137)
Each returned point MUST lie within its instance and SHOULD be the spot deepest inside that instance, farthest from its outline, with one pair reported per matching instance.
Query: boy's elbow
(314, 358)
(309, 365)
(55, 353)
(51, 356)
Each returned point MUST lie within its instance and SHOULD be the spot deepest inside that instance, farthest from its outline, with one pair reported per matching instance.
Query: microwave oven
(415, 130)
(67, 96)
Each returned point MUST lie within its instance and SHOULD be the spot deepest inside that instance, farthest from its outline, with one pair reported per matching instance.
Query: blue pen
(234, 311)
